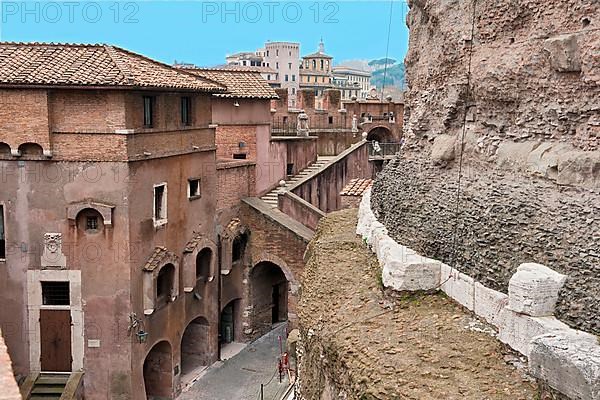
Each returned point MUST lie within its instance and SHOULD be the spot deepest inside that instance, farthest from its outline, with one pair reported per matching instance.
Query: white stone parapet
(567, 359)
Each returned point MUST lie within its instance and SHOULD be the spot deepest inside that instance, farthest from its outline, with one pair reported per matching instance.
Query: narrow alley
(240, 377)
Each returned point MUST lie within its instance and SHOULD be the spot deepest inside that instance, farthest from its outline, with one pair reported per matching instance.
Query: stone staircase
(49, 386)
(322, 161)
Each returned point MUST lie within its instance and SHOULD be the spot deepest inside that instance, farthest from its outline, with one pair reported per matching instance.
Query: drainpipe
(219, 259)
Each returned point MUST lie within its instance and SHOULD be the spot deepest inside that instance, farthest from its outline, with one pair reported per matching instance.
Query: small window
(193, 188)
(2, 237)
(293, 90)
(239, 247)
(55, 294)
(293, 78)
(239, 156)
(287, 77)
(164, 284)
(277, 53)
(277, 65)
(289, 65)
(186, 110)
(160, 204)
(91, 223)
(148, 111)
(290, 169)
(330, 120)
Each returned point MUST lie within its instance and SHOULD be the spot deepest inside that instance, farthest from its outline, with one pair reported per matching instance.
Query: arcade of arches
(253, 298)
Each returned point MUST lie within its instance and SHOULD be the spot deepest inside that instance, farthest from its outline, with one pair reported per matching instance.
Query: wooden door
(55, 335)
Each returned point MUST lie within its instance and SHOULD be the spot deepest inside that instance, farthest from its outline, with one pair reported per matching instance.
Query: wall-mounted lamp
(236, 104)
(142, 336)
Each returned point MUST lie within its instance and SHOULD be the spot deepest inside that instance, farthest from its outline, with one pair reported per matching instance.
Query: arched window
(164, 284)
(203, 260)
(4, 149)
(239, 247)
(90, 221)
(31, 150)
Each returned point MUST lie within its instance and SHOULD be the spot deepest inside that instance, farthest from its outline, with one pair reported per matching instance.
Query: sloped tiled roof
(356, 187)
(240, 82)
(91, 65)
(159, 257)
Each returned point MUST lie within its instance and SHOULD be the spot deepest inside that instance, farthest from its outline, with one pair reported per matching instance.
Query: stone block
(533, 290)
(489, 303)
(412, 276)
(442, 150)
(569, 361)
(517, 330)
(377, 232)
(459, 286)
(563, 52)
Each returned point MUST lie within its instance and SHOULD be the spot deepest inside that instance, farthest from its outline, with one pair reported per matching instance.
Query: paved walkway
(239, 378)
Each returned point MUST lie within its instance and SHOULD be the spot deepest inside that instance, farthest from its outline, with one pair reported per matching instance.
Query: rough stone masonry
(531, 173)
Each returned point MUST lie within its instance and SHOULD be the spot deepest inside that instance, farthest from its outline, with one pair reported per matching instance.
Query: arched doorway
(158, 372)
(269, 291)
(229, 322)
(194, 346)
(380, 134)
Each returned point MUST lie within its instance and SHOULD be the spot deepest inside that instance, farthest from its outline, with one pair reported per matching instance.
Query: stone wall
(531, 158)
(504, 220)
(534, 71)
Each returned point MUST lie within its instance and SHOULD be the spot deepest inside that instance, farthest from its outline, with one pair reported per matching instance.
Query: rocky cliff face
(531, 149)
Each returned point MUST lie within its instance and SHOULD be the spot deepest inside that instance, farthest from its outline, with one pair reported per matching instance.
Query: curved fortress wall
(531, 184)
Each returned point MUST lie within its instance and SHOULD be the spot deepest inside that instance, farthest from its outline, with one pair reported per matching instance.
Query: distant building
(278, 63)
(316, 71)
(352, 82)
(284, 58)
(245, 59)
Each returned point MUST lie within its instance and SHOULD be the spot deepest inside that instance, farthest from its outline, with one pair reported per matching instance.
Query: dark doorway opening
(158, 372)
(269, 294)
(194, 346)
(228, 322)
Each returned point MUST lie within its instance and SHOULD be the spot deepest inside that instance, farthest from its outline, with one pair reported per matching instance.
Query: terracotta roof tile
(240, 83)
(96, 65)
(159, 257)
(356, 187)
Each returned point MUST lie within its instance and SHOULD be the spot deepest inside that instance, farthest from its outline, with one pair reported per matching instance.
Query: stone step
(48, 389)
(52, 380)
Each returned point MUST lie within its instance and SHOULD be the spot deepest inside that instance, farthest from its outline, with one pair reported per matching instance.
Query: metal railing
(383, 151)
(288, 126)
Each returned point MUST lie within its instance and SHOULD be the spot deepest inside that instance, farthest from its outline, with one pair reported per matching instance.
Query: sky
(204, 32)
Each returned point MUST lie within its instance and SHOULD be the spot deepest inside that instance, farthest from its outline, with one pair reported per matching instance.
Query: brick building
(128, 247)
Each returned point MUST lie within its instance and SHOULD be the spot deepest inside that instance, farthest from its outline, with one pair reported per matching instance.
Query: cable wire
(387, 49)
